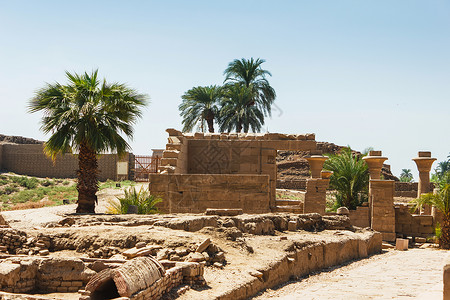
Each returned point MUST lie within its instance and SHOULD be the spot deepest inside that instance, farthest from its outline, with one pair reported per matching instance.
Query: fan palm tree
(350, 178)
(249, 73)
(236, 114)
(199, 106)
(406, 175)
(441, 200)
(87, 116)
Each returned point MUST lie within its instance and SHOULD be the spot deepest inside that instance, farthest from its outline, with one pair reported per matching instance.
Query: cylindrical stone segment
(316, 164)
(424, 161)
(375, 163)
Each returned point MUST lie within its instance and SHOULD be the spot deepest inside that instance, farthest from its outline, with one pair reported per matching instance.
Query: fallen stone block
(401, 244)
(292, 225)
(202, 247)
(420, 240)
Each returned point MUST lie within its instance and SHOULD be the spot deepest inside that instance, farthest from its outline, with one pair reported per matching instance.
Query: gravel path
(416, 273)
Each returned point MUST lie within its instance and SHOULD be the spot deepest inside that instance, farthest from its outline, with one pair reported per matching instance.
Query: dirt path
(416, 273)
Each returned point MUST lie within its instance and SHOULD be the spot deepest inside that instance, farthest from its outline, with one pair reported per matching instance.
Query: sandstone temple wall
(194, 193)
(225, 154)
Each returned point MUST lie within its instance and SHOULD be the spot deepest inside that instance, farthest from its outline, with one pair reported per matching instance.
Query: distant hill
(11, 139)
(291, 165)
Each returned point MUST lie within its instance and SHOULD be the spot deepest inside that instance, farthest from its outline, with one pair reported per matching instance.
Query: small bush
(145, 202)
(47, 182)
(29, 183)
(65, 182)
(10, 189)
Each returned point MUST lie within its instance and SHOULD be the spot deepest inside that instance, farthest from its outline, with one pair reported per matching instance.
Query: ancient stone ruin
(220, 217)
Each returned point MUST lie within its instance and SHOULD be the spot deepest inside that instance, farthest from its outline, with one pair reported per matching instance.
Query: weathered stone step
(289, 208)
(288, 202)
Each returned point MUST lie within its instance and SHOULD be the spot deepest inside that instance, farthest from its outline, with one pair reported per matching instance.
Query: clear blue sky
(358, 73)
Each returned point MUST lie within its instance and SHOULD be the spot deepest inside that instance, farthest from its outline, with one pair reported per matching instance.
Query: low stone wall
(299, 184)
(408, 224)
(301, 261)
(194, 193)
(24, 275)
(360, 216)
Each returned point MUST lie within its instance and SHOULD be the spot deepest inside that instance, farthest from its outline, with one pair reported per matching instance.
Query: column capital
(375, 162)
(316, 164)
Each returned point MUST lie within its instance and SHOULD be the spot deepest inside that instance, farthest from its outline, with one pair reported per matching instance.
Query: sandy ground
(39, 217)
(416, 273)
(412, 274)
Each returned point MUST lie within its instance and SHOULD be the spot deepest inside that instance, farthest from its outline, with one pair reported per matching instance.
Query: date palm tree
(235, 112)
(406, 175)
(350, 178)
(87, 116)
(249, 73)
(441, 200)
(199, 106)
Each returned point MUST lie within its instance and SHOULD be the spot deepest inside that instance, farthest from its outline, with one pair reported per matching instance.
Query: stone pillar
(424, 162)
(382, 212)
(375, 162)
(316, 164)
(316, 192)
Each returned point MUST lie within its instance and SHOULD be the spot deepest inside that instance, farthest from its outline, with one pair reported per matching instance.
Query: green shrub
(47, 182)
(29, 183)
(10, 189)
(145, 202)
(4, 181)
(350, 178)
(65, 182)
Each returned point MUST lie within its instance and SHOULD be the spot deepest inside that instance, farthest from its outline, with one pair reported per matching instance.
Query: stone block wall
(360, 216)
(299, 184)
(408, 224)
(315, 196)
(12, 239)
(194, 193)
(381, 204)
(24, 275)
(205, 153)
(30, 160)
(408, 189)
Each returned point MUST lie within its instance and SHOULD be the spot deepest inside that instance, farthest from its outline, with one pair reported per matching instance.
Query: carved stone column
(424, 162)
(316, 164)
(375, 162)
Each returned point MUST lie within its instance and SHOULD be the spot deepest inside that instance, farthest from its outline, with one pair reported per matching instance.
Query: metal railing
(144, 165)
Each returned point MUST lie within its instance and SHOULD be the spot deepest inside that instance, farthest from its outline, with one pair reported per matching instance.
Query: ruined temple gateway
(225, 171)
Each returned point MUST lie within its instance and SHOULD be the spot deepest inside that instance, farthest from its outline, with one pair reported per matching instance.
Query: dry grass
(30, 204)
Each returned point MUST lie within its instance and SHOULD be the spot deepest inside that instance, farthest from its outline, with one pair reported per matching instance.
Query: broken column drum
(134, 276)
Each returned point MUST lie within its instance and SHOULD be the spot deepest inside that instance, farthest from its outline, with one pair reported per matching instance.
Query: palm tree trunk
(87, 184)
(239, 127)
(210, 121)
(444, 240)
